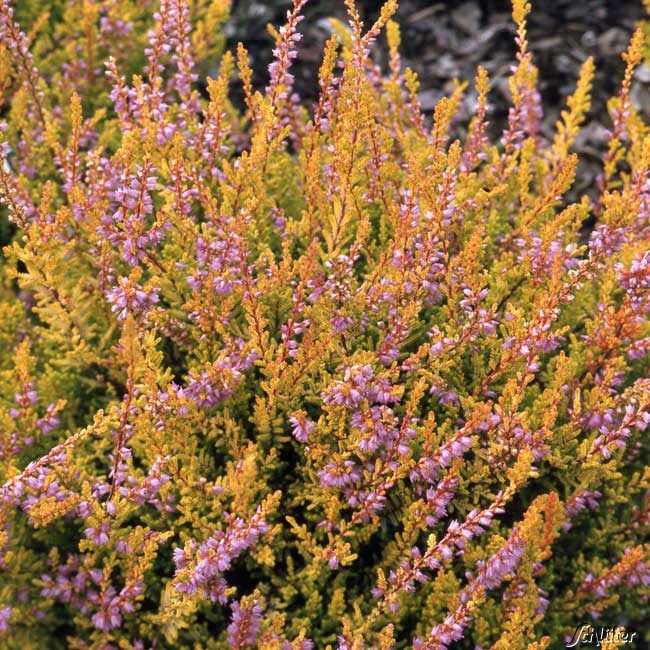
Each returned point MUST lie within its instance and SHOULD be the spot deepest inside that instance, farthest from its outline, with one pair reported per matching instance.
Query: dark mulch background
(446, 40)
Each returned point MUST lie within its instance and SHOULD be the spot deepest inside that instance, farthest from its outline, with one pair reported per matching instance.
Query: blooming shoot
(289, 375)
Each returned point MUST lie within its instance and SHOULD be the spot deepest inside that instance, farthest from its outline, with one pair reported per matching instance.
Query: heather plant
(290, 377)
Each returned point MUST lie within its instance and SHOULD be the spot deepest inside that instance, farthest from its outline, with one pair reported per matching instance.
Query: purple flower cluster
(339, 474)
(368, 502)
(358, 384)
(632, 570)
(635, 281)
(512, 436)
(488, 575)
(301, 426)
(199, 567)
(125, 225)
(455, 541)
(244, 624)
(491, 572)
(112, 606)
(336, 284)
(5, 617)
(42, 484)
(50, 420)
(615, 429)
(539, 339)
(208, 387)
(219, 261)
(579, 501)
(25, 406)
(98, 535)
(606, 239)
(180, 46)
(377, 433)
(428, 465)
(26, 398)
(476, 523)
(295, 325)
(543, 257)
(470, 304)
(114, 28)
(438, 498)
(281, 80)
(518, 589)
(86, 590)
(525, 116)
(130, 297)
(17, 42)
(147, 490)
(639, 349)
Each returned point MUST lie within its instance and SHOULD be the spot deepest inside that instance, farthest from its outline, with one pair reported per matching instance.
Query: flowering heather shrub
(304, 377)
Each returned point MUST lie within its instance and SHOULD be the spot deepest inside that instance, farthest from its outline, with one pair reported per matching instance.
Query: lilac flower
(50, 420)
(411, 571)
(606, 239)
(396, 332)
(543, 257)
(444, 634)
(147, 491)
(204, 391)
(368, 502)
(632, 570)
(489, 575)
(244, 624)
(578, 501)
(112, 607)
(17, 42)
(131, 298)
(454, 448)
(208, 387)
(639, 349)
(614, 434)
(125, 224)
(98, 535)
(635, 281)
(335, 283)
(200, 566)
(338, 475)
(377, 426)
(304, 644)
(219, 261)
(28, 397)
(438, 499)
(351, 390)
(446, 397)
(5, 616)
(280, 79)
(120, 95)
(301, 425)
(359, 383)
(525, 117)
(73, 583)
(114, 27)
(180, 45)
(37, 482)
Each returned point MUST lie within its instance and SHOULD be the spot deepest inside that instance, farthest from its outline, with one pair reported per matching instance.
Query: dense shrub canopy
(287, 376)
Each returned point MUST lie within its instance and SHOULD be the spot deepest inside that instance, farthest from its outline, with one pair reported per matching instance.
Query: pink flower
(301, 425)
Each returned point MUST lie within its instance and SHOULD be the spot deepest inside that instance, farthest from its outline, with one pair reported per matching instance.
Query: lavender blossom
(128, 297)
(301, 426)
(244, 624)
(200, 566)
